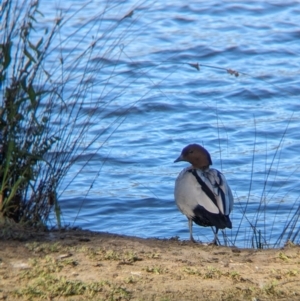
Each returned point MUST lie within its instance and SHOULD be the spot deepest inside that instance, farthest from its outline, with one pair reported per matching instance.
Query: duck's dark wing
(216, 191)
(215, 186)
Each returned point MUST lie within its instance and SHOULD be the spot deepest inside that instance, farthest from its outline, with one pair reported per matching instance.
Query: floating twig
(233, 72)
(196, 65)
(129, 15)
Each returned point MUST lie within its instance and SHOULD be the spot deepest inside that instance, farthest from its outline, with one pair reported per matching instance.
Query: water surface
(157, 102)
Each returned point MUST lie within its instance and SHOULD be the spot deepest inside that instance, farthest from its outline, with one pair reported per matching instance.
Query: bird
(202, 193)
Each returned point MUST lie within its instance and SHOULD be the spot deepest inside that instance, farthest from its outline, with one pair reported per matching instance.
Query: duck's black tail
(204, 218)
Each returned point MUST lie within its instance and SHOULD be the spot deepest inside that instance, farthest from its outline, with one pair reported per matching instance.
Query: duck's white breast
(188, 194)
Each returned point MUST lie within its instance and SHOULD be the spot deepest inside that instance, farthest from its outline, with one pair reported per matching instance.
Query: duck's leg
(216, 239)
(191, 230)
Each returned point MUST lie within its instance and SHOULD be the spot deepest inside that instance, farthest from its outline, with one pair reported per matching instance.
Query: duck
(202, 193)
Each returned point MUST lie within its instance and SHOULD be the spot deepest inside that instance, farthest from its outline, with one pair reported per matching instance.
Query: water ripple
(159, 102)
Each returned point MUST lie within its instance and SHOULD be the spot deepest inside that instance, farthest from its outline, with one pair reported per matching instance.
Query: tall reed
(44, 112)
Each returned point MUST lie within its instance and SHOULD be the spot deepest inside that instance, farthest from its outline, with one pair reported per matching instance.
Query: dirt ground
(82, 265)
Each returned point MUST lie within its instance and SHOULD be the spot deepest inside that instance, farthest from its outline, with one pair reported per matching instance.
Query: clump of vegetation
(25, 117)
(44, 247)
(44, 118)
(192, 271)
(50, 286)
(156, 270)
(44, 281)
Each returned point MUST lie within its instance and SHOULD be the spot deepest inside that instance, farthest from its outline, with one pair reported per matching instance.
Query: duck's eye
(191, 151)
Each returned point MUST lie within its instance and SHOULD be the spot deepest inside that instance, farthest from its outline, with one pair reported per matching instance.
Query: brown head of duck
(197, 155)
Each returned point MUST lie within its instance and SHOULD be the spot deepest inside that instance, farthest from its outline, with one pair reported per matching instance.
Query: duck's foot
(214, 243)
(193, 240)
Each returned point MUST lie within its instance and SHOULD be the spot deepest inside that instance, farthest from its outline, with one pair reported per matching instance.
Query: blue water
(155, 102)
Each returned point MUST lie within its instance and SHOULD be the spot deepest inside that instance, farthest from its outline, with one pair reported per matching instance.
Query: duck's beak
(180, 158)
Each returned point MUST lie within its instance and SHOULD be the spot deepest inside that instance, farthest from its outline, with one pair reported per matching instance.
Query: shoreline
(85, 265)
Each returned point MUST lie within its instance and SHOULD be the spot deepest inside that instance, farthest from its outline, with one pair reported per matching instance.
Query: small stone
(62, 256)
(136, 273)
(20, 265)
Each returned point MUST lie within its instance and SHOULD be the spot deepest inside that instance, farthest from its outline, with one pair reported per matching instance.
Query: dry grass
(78, 265)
